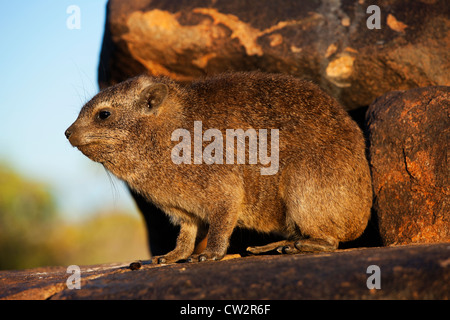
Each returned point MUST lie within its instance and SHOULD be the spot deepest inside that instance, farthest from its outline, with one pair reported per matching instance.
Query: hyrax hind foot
(296, 246)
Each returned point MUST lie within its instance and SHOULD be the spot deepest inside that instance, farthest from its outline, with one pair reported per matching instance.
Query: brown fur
(320, 196)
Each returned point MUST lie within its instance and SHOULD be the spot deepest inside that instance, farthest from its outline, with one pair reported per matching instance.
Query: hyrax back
(302, 172)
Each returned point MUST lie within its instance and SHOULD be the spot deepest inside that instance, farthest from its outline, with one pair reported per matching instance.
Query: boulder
(401, 272)
(328, 42)
(409, 135)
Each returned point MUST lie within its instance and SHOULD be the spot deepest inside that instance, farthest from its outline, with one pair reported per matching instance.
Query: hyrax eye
(104, 114)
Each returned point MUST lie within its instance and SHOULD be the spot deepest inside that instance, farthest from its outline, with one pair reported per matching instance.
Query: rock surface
(406, 272)
(325, 41)
(409, 134)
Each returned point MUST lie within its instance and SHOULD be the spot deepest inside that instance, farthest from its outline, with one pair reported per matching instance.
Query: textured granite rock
(405, 272)
(325, 41)
(409, 134)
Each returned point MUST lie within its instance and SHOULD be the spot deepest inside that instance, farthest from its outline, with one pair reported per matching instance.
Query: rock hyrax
(294, 163)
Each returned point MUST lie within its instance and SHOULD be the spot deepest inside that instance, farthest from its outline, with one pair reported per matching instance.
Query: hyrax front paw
(206, 256)
(165, 259)
(159, 260)
(154, 260)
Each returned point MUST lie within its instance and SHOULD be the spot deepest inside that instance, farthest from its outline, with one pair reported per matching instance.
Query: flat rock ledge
(402, 272)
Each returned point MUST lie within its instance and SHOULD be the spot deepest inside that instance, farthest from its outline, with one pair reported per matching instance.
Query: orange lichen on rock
(409, 143)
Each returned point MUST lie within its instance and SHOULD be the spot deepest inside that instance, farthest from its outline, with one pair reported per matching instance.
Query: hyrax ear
(153, 96)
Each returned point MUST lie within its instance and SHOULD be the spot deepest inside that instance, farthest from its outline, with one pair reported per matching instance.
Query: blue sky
(48, 72)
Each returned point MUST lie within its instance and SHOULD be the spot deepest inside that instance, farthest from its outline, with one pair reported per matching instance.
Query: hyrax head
(111, 121)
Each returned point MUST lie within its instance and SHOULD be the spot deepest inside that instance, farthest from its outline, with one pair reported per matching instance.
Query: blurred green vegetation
(33, 233)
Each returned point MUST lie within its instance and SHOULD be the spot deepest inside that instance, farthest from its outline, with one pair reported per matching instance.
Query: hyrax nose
(68, 133)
